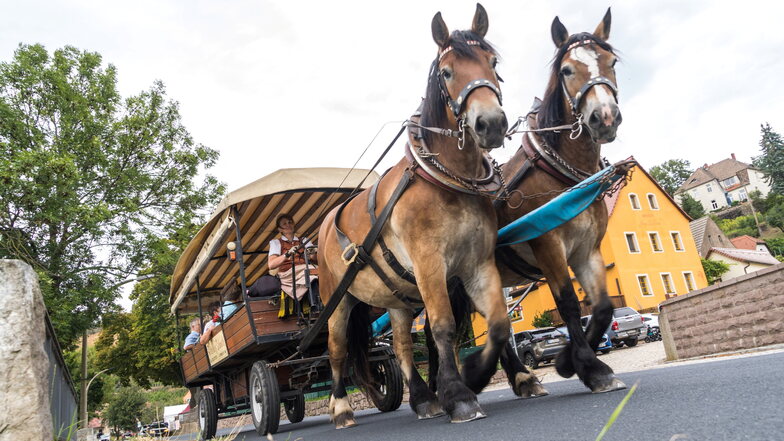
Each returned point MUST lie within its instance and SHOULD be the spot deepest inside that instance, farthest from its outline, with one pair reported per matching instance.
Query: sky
(275, 84)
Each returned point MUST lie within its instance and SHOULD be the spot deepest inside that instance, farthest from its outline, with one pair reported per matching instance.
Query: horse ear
(440, 31)
(558, 32)
(479, 27)
(602, 31)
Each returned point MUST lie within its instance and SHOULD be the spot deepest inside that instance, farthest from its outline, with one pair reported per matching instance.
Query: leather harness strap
(389, 257)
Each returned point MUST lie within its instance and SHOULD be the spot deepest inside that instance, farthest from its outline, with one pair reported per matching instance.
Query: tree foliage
(672, 174)
(542, 320)
(691, 206)
(89, 180)
(714, 269)
(125, 408)
(771, 160)
(739, 226)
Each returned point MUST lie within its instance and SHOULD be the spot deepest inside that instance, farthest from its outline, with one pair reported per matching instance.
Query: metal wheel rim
(202, 413)
(382, 387)
(256, 405)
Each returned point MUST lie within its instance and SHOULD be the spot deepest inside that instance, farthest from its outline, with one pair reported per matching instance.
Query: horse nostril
(618, 117)
(480, 125)
(595, 119)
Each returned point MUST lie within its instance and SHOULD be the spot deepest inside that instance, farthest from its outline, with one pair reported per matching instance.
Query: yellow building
(648, 250)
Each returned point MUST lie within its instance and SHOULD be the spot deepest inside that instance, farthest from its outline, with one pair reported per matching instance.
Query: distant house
(648, 251)
(719, 185)
(708, 235)
(741, 261)
(750, 243)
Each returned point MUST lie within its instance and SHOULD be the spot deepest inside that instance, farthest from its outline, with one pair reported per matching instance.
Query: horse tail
(461, 310)
(359, 346)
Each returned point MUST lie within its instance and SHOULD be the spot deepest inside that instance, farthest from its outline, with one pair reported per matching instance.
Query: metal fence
(62, 392)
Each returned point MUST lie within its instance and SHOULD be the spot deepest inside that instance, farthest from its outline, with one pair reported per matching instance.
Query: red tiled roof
(746, 242)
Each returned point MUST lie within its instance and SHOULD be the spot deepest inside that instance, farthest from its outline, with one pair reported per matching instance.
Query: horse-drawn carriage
(247, 365)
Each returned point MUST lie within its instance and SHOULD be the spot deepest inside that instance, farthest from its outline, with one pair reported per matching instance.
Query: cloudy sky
(274, 84)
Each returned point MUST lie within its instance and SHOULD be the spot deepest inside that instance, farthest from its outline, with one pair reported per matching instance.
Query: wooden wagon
(251, 363)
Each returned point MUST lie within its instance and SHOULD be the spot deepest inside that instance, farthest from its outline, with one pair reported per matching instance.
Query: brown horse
(442, 228)
(581, 101)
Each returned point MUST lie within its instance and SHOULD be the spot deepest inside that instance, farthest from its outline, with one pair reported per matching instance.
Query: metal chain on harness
(430, 157)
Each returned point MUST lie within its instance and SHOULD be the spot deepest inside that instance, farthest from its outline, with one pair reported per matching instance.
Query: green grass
(616, 412)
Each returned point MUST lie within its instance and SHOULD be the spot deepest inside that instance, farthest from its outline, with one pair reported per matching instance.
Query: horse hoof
(613, 384)
(344, 422)
(528, 386)
(426, 411)
(465, 412)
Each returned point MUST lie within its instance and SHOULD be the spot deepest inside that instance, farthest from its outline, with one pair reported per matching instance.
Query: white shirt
(275, 247)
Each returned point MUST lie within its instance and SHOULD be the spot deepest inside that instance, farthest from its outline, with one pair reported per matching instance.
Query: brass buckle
(350, 260)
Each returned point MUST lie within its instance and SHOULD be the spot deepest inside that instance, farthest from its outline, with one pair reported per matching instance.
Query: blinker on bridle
(457, 105)
(575, 101)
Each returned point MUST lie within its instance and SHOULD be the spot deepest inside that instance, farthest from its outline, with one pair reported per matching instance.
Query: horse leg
(456, 399)
(432, 357)
(340, 411)
(523, 382)
(422, 400)
(592, 372)
(591, 274)
(484, 289)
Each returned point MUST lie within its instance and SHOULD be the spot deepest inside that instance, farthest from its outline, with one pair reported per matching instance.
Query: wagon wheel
(264, 398)
(295, 407)
(389, 378)
(208, 414)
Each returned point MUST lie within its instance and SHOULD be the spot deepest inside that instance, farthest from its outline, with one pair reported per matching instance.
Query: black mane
(553, 111)
(434, 104)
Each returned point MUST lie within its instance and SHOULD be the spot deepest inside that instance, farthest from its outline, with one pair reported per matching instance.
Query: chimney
(733, 156)
(705, 166)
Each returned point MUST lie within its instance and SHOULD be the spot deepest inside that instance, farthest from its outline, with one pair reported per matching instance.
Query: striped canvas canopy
(307, 194)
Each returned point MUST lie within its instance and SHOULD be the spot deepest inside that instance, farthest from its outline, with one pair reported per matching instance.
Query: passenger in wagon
(286, 253)
(215, 310)
(193, 337)
(231, 296)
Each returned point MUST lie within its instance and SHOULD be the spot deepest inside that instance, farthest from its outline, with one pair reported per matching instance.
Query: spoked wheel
(530, 361)
(295, 407)
(389, 377)
(208, 414)
(264, 398)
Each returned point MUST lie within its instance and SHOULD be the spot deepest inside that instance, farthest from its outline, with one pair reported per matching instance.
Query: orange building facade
(648, 250)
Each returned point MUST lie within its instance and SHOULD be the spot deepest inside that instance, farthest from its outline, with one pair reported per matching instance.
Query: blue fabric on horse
(560, 210)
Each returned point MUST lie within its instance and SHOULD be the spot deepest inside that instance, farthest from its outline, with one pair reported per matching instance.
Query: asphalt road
(724, 399)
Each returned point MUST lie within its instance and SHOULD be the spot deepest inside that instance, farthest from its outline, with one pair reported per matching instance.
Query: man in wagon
(286, 255)
(193, 337)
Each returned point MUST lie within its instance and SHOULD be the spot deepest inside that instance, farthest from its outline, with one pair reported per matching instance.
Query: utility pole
(756, 221)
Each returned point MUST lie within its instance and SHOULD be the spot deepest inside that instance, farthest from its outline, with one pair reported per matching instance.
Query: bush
(714, 270)
(738, 227)
(543, 320)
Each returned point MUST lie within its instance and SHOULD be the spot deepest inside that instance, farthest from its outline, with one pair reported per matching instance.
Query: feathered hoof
(608, 384)
(528, 386)
(341, 413)
(465, 412)
(344, 421)
(428, 410)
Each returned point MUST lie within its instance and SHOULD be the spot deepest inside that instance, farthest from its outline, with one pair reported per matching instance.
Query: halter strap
(457, 105)
(576, 100)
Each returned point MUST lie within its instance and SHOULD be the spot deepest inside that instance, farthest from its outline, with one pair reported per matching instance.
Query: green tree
(691, 206)
(775, 216)
(714, 269)
(125, 408)
(88, 180)
(542, 320)
(671, 174)
(771, 160)
(776, 246)
(739, 226)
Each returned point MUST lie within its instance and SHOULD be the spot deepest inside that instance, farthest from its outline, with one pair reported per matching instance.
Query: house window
(688, 278)
(667, 282)
(631, 242)
(714, 205)
(652, 201)
(729, 181)
(645, 285)
(742, 194)
(634, 201)
(710, 188)
(655, 243)
(676, 240)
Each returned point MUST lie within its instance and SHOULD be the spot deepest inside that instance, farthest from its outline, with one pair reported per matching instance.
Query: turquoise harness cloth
(560, 210)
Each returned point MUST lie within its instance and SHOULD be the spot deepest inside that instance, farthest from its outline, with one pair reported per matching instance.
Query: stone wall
(737, 314)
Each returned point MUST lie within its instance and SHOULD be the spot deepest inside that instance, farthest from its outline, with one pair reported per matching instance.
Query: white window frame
(633, 197)
(709, 188)
(647, 282)
(636, 242)
(743, 196)
(689, 286)
(680, 242)
(652, 198)
(658, 239)
(672, 284)
(714, 204)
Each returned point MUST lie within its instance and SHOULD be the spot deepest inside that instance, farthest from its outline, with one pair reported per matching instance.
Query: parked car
(539, 345)
(158, 428)
(626, 328)
(651, 320)
(604, 347)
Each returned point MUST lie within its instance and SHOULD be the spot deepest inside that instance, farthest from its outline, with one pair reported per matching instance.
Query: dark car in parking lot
(537, 346)
(604, 347)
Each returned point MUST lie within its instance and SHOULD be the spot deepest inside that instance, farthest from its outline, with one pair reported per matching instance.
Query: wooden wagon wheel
(264, 398)
(208, 414)
(295, 407)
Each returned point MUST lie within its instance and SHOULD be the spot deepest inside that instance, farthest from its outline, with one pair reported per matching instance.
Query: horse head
(584, 68)
(463, 88)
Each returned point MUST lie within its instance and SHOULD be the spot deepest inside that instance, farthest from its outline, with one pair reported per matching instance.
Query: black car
(158, 428)
(539, 345)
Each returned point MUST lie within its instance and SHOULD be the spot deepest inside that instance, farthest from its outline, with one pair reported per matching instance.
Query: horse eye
(566, 71)
(446, 73)
(615, 60)
(494, 62)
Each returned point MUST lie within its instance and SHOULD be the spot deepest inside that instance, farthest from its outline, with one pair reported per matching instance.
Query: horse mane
(434, 104)
(552, 111)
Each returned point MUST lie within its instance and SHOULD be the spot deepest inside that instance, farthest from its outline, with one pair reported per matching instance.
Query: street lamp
(85, 383)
